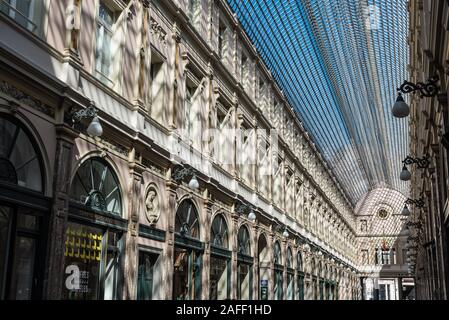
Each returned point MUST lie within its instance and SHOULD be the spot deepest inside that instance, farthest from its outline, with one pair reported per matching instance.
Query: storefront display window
(91, 263)
(187, 262)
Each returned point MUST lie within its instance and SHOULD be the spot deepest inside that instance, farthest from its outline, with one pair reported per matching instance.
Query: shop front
(94, 237)
(24, 212)
(188, 256)
(244, 265)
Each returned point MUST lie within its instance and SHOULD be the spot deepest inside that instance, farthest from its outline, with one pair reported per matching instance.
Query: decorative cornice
(25, 99)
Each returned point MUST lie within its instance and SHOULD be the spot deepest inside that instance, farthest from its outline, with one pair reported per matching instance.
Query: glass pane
(5, 216)
(25, 220)
(187, 220)
(218, 278)
(145, 280)
(24, 12)
(244, 281)
(96, 186)
(22, 274)
(18, 154)
(181, 275)
(83, 252)
(111, 265)
(219, 232)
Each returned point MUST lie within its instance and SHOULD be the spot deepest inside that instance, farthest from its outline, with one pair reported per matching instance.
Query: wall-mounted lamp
(422, 163)
(419, 203)
(428, 89)
(94, 129)
(180, 172)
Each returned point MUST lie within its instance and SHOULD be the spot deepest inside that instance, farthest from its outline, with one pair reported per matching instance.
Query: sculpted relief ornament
(152, 207)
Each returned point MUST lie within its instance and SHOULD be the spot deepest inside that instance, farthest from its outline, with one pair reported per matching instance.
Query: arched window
(20, 162)
(277, 253)
(299, 261)
(289, 258)
(219, 232)
(96, 186)
(187, 223)
(244, 242)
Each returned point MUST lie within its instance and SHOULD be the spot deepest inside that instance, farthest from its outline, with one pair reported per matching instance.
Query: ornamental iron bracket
(427, 89)
(419, 203)
(422, 163)
(179, 173)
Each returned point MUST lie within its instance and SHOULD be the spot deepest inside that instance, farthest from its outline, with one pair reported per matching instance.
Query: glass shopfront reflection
(91, 263)
(19, 247)
(187, 274)
(219, 284)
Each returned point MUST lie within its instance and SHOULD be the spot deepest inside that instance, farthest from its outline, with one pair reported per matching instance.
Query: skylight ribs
(340, 77)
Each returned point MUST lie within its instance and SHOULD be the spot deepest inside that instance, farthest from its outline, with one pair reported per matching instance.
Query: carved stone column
(255, 252)
(134, 196)
(54, 269)
(284, 273)
(234, 246)
(271, 277)
(206, 256)
(170, 206)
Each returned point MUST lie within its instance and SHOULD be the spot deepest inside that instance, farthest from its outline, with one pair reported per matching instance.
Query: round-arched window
(244, 241)
(96, 186)
(20, 162)
(289, 258)
(186, 223)
(219, 232)
(277, 253)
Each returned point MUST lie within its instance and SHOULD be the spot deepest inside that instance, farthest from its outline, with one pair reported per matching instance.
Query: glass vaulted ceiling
(339, 63)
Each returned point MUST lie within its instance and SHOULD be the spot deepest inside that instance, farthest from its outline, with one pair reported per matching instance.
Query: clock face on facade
(382, 214)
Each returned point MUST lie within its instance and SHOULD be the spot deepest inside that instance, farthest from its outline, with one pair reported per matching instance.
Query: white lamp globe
(252, 216)
(194, 184)
(95, 129)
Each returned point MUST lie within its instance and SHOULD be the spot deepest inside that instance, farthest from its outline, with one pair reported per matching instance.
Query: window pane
(218, 278)
(22, 276)
(181, 275)
(5, 216)
(83, 252)
(145, 282)
(19, 162)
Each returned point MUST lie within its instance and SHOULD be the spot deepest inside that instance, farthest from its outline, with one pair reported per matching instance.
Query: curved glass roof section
(339, 64)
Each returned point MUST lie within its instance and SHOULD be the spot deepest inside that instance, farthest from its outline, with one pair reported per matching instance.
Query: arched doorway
(244, 265)
(94, 234)
(188, 253)
(220, 260)
(23, 209)
(278, 272)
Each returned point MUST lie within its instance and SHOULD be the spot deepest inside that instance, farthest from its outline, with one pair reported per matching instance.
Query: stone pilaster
(132, 254)
(54, 270)
(207, 252)
(170, 205)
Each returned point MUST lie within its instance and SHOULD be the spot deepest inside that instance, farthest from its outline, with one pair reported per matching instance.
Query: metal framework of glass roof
(339, 63)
